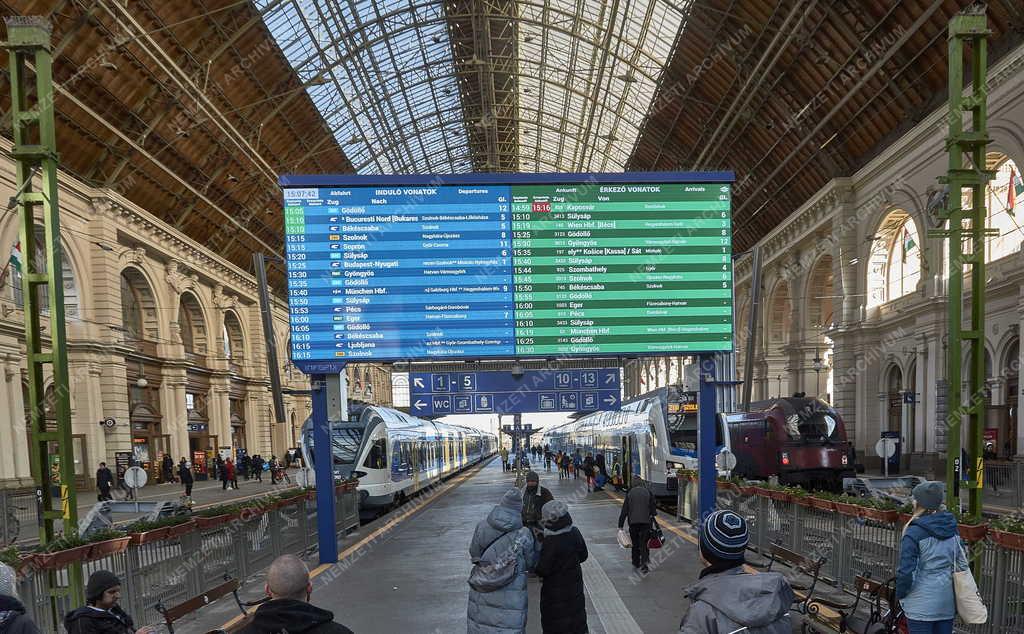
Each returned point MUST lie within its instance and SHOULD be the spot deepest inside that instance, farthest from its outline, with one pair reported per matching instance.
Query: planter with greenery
(12, 557)
(145, 532)
(1008, 532)
(217, 515)
(822, 501)
(777, 492)
(725, 484)
(972, 529)
(107, 542)
(687, 474)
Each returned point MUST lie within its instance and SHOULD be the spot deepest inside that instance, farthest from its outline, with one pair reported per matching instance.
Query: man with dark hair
(101, 612)
(534, 499)
(288, 611)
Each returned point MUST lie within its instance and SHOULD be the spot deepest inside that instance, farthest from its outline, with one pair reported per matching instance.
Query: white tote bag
(969, 606)
(624, 539)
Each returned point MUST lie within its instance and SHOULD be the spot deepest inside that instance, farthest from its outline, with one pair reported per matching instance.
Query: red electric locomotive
(800, 440)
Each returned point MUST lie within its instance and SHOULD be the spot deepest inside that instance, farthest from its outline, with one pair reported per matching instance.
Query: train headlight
(785, 459)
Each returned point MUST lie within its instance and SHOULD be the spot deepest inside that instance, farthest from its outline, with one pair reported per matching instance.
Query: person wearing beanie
(638, 507)
(12, 612)
(563, 605)
(929, 550)
(726, 598)
(498, 538)
(101, 613)
(534, 498)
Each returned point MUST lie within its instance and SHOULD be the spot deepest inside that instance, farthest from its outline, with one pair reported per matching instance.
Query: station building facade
(854, 291)
(164, 337)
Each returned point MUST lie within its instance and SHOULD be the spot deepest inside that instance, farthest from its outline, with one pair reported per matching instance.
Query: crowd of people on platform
(593, 467)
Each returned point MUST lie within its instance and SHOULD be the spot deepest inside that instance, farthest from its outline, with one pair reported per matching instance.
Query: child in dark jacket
(563, 607)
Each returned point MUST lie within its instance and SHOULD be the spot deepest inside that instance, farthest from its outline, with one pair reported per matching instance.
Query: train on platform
(396, 455)
(802, 441)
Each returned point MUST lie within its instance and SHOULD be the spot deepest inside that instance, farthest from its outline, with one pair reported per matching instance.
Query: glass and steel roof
(418, 86)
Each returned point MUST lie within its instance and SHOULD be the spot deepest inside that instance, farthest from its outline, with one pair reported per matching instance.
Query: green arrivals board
(622, 268)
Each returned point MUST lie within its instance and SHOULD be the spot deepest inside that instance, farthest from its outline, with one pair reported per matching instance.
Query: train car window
(346, 444)
(811, 426)
(377, 457)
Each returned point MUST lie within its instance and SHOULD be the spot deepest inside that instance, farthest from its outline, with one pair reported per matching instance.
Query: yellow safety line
(451, 484)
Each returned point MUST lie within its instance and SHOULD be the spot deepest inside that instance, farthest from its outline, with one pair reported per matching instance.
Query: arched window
(894, 269)
(234, 343)
(819, 294)
(39, 264)
(191, 324)
(781, 315)
(1004, 198)
(895, 399)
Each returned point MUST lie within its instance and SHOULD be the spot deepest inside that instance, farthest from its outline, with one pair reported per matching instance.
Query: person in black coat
(185, 475)
(288, 611)
(101, 613)
(167, 466)
(563, 606)
(104, 480)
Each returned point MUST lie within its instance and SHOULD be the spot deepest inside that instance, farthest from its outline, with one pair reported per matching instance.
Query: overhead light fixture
(319, 80)
(232, 178)
(437, 39)
(829, 140)
(108, 65)
(609, 137)
(355, 138)
(529, 38)
(627, 78)
(181, 132)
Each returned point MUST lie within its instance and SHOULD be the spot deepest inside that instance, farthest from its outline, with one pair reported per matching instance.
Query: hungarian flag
(15, 261)
(908, 243)
(1015, 188)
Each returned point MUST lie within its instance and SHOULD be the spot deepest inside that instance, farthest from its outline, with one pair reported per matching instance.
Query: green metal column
(966, 233)
(35, 152)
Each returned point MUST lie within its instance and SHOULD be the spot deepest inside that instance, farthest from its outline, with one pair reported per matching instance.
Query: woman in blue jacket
(929, 553)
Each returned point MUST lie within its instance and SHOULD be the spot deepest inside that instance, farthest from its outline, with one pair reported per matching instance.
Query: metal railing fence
(854, 546)
(173, 570)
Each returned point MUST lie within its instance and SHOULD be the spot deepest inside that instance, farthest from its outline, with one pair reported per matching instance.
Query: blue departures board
(527, 266)
(397, 273)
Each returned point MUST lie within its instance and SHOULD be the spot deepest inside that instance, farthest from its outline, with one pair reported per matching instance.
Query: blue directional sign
(441, 393)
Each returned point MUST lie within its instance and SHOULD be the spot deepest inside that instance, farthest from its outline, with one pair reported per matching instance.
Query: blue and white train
(651, 436)
(395, 455)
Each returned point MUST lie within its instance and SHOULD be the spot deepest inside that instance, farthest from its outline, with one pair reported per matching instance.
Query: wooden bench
(802, 575)
(178, 612)
(849, 617)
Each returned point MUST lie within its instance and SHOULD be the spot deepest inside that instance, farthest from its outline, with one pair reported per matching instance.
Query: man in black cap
(534, 499)
(101, 613)
(289, 610)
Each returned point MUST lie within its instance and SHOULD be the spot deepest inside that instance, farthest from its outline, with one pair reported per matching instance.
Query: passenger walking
(601, 475)
(503, 452)
(257, 467)
(577, 464)
(104, 480)
(13, 619)
(930, 551)
(638, 510)
(534, 499)
(228, 476)
(547, 461)
(502, 538)
(288, 586)
(102, 613)
(185, 475)
(588, 471)
(617, 475)
(563, 606)
(727, 599)
(167, 467)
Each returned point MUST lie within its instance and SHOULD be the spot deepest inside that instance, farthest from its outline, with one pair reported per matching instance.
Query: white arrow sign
(418, 382)
(609, 379)
(610, 399)
(419, 404)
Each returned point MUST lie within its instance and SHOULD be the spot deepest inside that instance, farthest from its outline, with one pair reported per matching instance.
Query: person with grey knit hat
(502, 539)
(13, 619)
(563, 605)
(102, 613)
(726, 598)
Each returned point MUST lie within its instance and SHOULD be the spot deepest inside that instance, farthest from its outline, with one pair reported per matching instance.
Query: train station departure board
(535, 266)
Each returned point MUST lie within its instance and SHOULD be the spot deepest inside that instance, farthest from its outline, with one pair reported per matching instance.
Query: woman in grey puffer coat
(502, 611)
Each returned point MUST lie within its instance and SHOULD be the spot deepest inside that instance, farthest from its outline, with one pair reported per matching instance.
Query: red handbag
(657, 537)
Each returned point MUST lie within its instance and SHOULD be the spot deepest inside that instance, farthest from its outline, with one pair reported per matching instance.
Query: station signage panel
(443, 393)
(531, 266)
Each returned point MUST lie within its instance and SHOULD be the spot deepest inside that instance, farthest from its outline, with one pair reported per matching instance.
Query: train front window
(376, 458)
(811, 426)
(346, 444)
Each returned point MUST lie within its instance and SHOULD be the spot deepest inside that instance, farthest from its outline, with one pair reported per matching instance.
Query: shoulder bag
(488, 576)
(969, 606)
(657, 538)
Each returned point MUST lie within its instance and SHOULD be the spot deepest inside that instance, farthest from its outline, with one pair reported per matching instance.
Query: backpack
(488, 576)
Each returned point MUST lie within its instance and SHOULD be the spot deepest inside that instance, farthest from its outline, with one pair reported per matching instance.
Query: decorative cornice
(223, 301)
